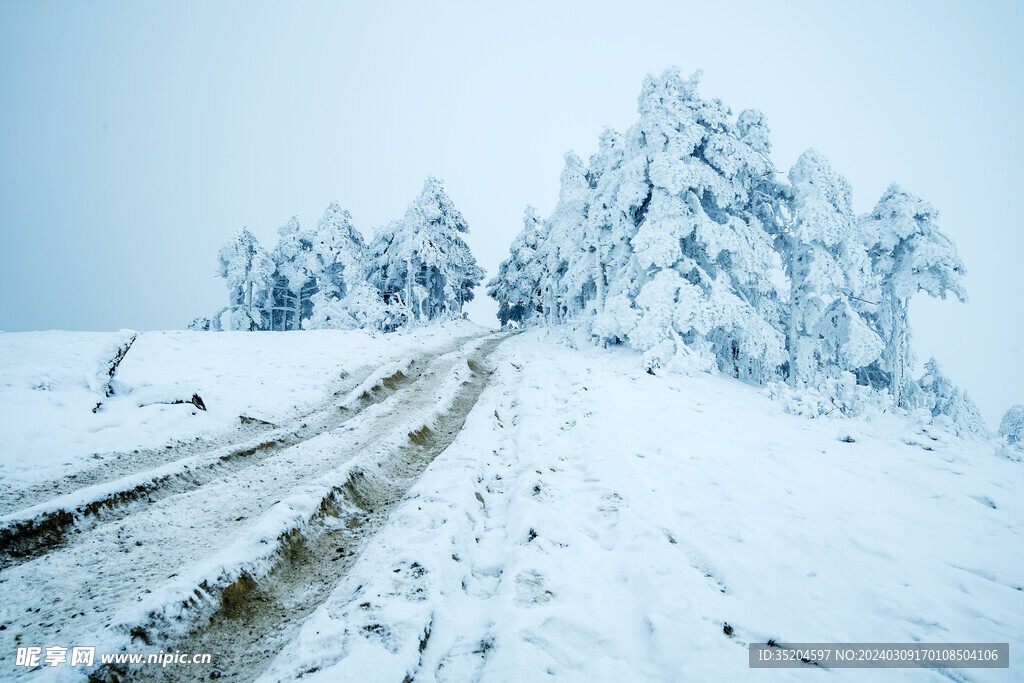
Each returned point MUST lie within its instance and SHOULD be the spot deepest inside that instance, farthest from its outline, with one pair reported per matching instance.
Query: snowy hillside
(464, 505)
(593, 522)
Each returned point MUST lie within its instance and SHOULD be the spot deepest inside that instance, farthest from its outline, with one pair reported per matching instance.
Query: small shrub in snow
(945, 400)
(836, 396)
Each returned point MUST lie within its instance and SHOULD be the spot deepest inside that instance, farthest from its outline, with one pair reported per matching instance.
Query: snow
(590, 521)
(50, 382)
(594, 522)
(254, 552)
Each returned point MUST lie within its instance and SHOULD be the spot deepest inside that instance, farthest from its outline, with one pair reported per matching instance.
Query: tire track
(125, 582)
(254, 622)
(46, 526)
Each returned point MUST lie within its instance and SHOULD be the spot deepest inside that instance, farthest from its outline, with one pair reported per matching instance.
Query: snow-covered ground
(51, 381)
(593, 522)
(589, 521)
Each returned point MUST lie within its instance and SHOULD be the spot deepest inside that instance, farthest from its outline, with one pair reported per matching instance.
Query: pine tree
(700, 219)
(660, 241)
(942, 397)
(340, 266)
(620, 193)
(295, 279)
(908, 254)
(825, 263)
(423, 267)
(563, 284)
(249, 272)
(517, 287)
(1011, 427)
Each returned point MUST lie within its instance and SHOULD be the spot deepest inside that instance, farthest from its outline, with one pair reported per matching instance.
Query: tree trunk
(897, 348)
(248, 303)
(793, 327)
(408, 281)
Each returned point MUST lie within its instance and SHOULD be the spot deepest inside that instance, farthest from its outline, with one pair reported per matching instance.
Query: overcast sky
(135, 138)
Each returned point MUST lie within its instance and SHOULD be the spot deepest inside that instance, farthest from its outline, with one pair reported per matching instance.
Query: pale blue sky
(136, 137)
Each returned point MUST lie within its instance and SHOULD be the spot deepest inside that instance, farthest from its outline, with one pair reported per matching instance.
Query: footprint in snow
(603, 526)
(531, 589)
(465, 660)
(482, 582)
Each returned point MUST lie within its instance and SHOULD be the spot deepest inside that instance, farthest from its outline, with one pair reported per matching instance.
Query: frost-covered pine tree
(699, 276)
(295, 279)
(620, 195)
(563, 282)
(517, 286)
(343, 299)
(826, 265)
(423, 267)
(943, 398)
(660, 242)
(1011, 427)
(908, 254)
(249, 272)
(339, 250)
(678, 239)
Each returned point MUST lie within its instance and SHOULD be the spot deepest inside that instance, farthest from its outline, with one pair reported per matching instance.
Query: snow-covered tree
(942, 397)
(619, 201)
(249, 272)
(295, 279)
(1011, 427)
(517, 286)
(844, 340)
(340, 265)
(826, 264)
(678, 239)
(423, 267)
(562, 289)
(359, 308)
(317, 269)
(908, 254)
(699, 219)
(660, 241)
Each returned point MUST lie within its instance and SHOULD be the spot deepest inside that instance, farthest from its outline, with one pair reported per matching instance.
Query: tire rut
(257, 617)
(83, 590)
(31, 535)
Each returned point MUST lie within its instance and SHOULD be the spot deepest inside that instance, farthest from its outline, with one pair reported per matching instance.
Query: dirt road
(226, 549)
